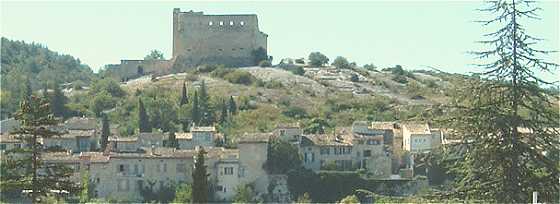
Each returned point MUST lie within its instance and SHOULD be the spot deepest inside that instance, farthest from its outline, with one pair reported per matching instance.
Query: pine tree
(104, 132)
(184, 98)
(503, 164)
(232, 106)
(22, 171)
(58, 102)
(195, 109)
(143, 119)
(200, 179)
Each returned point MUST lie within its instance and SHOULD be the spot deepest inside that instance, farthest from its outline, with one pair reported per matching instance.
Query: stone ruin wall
(216, 39)
(201, 39)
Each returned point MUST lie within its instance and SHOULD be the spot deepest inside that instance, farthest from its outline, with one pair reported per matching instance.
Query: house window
(182, 167)
(241, 172)
(367, 153)
(121, 168)
(18, 146)
(2, 146)
(325, 150)
(219, 188)
(282, 132)
(228, 170)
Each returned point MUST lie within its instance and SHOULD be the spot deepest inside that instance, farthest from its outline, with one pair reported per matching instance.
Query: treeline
(33, 66)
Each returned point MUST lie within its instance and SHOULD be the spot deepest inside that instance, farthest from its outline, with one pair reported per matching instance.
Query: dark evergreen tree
(58, 101)
(200, 179)
(28, 90)
(143, 119)
(195, 109)
(24, 168)
(503, 163)
(105, 131)
(184, 97)
(232, 107)
(46, 93)
(224, 114)
(207, 114)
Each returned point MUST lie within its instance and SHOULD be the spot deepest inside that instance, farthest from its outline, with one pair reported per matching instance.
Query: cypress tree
(232, 106)
(58, 102)
(195, 110)
(184, 98)
(46, 92)
(224, 114)
(28, 90)
(200, 179)
(143, 119)
(206, 112)
(104, 132)
(502, 163)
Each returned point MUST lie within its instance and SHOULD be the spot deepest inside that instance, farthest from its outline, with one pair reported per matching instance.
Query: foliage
(164, 194)
(195, 111)
(354, 78)
(370, 67)
(105, 132)
(304, 198)
(200, 179)
(295, 112)
(184, 97)
(143, 119)
(259, 55)
(58, 102)
(341, 63)
(316, 126)
(102, 101)
(183, 194)
(317, 59)
(240, 77)
(349, 199)
(243, 194)
(282, 157)
(204, 106)
(490, 112)
(297, 70)
(109, 85)
(232, 107)
(88, 189)
(23, 172)
(23, 61)
(154, 55)
(265, 63)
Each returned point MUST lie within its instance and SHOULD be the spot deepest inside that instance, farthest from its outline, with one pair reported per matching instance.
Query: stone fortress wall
(201, 39)
(216, 39)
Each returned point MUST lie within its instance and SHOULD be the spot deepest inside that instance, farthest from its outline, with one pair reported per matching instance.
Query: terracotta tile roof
(123, 139)
(9, 138)
(81, 123)
(327, 140)
(72, 134)
(382, 125)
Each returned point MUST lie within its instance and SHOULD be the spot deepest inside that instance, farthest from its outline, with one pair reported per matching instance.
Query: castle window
(210, 23)
(221, 23)
(188, 50)
(220, 49)
(231, 23)
(232, 49)
(242, 23)
(241, 48)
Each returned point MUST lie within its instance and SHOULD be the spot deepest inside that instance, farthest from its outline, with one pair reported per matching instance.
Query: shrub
(354, 78)
(400, 78)
(221, 72)
(297, 70)
(295, 112)
(341, 63)
(318, 59)
(240, 77)
(265, 63)
(300, 61)
(273, 84)
(206, 68)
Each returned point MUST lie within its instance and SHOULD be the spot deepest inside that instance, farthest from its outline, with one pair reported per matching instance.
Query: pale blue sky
(414, 34)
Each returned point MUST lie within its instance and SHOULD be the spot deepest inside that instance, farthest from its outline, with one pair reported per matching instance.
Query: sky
(414, 34)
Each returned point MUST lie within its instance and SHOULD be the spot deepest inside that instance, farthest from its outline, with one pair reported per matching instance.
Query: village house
(419, 137)
(9, 142)
(290, 132)
(121, 175)
(71, 140)
(347, 151)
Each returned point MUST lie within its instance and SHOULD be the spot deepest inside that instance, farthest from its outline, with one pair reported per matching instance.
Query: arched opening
(140, 70)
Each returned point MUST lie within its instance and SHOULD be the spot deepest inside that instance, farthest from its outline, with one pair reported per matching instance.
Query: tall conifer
(143, 119)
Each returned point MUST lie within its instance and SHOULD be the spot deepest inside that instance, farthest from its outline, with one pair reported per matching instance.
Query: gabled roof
(203, 129)
(417, 128)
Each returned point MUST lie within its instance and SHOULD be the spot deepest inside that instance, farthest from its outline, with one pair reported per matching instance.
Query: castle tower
(216, 39)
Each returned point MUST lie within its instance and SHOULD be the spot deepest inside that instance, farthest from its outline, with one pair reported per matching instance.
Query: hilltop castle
(231, 40)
